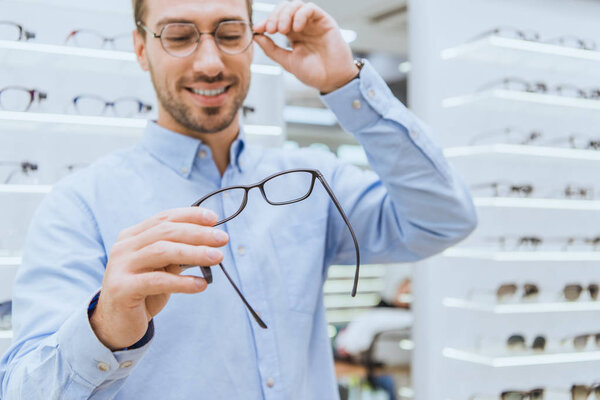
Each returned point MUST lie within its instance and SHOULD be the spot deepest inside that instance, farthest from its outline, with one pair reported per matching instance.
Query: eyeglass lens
(14, 98)
(181, 39)
(123, 107)
(94, 40)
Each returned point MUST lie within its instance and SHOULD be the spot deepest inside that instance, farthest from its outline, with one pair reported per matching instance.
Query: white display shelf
(341, 301)
(10, 261)
(510, 51)
(487, 254)
(25, 189)
(522, 308)
(77, 58)
(536, 204)
(515, 150)
(520, 361)
(6, 334)
(501, 101)
(364, 286)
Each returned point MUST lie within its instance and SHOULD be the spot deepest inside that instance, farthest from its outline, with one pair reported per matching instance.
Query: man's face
(181, 84)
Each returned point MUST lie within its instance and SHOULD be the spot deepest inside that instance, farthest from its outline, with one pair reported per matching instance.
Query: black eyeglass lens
(288, 187)
(539, 343)
(593, 288)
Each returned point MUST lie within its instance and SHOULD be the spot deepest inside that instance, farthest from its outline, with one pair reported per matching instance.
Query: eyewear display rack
(533, 223)
(58, 140)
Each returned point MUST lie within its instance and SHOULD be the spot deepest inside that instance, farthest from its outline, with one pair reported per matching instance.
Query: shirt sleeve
(413, 204)
(55, 353)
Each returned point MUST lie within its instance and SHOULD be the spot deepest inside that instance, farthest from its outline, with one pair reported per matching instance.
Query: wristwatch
(360, 63)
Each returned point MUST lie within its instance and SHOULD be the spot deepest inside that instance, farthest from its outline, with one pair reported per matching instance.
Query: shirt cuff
(89, 358)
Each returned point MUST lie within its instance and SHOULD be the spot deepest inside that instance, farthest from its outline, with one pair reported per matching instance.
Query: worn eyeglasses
(181, 39)
(283, 188)
(95, 40)
(17, 98)
(122, 107)
(13, 31)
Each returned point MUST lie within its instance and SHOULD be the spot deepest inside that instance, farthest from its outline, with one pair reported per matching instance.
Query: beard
(201, 119)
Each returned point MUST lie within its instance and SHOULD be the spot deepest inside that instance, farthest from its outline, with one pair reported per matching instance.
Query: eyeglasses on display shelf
(283, 188)
(577, 141)
(14, 32)
(576, 392)
(571, 41)
(533, 243)
(18, 98)
(508, 136)
(573, 292)
(126, 107)
(246, 110)
(508, 189)
(91, 39)
(23, 172)
(522, 85)
(182, 39)
(518, 344)
(5, 316)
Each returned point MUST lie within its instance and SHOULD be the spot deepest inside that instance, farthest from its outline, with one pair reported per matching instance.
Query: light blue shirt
(206, 345)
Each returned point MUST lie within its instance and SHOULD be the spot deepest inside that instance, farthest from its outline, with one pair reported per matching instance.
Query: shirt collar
(179, 151)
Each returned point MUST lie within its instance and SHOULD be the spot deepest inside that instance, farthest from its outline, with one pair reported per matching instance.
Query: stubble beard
(201, 119)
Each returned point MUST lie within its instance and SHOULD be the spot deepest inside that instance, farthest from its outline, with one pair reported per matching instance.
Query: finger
(286, 16)
(162, 253)
(196, 215)
(181, 232)
(157, 282)
(304, 15)
(260, 28)
(271, 23)
(276, 53)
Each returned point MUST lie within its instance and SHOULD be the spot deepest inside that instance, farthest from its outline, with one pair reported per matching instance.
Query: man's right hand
(143, 270)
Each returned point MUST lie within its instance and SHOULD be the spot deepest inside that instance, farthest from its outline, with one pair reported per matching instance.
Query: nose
(207, 57)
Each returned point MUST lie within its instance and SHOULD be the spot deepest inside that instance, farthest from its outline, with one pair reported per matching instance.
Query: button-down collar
(178, 151)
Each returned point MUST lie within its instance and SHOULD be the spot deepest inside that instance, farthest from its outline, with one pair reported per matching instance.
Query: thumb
(276, 53)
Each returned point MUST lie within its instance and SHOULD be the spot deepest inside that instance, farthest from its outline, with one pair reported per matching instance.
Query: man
(151, 334)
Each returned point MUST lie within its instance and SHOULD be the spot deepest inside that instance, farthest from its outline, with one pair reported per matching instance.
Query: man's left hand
(319, 57)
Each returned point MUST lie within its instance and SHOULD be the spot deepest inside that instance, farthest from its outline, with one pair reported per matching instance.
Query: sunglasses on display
(509, 291)
(14, 32)
(534, 394)
(582, 392)
(517, 343)
(122, 107)
(182, 39)
(5, 316)
(18, 98)
(91, 39)
(283, 188)
(533, 36)
(522, 85)
(508, 243)
(581, 342)
(572, 292)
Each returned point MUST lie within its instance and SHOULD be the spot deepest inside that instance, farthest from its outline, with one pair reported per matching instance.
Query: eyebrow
(169, 20)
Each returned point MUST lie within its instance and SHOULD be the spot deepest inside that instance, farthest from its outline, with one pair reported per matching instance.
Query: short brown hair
(139, 12)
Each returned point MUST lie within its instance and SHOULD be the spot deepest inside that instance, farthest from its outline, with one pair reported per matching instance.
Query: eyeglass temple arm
(259, 321)
(343, 214)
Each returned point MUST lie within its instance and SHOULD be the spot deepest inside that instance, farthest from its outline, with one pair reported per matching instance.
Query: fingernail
(200, 283)
(219, 235)
(213, 254)
(270, 26)
(209, 215)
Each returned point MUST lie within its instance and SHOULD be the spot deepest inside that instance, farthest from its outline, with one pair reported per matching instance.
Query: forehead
(199, 11)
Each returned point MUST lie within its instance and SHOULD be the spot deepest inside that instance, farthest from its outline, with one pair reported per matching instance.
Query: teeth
(210, 93)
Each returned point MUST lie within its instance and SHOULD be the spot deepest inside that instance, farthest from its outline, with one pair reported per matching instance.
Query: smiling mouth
(209, 93)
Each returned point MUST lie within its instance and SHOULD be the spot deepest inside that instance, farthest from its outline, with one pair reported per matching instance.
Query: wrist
(344, 78)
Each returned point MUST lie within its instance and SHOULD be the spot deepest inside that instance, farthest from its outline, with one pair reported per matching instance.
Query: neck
(219, 142)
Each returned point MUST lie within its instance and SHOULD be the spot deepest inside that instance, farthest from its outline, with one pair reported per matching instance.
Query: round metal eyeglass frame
(206, 271)
(213, 34)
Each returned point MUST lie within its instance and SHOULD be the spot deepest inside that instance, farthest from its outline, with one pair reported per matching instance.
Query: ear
(139, 46)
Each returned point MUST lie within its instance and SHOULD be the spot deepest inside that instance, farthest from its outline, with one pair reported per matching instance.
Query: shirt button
(371, 94)
(414, 134)
(202, 154)
(126, 364)
(270, 382)
(184, 170)
(356, 104)
(241, 250)
(102, 366)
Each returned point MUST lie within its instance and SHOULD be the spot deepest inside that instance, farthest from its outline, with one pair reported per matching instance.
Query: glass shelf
(6, 334)
(500, 101)
(77, 58)
(486, 254)
(10, 261)
(510, 51)
(522, 308)
(25, 189)
(520, 361)
(533, 203)
(515, 150)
